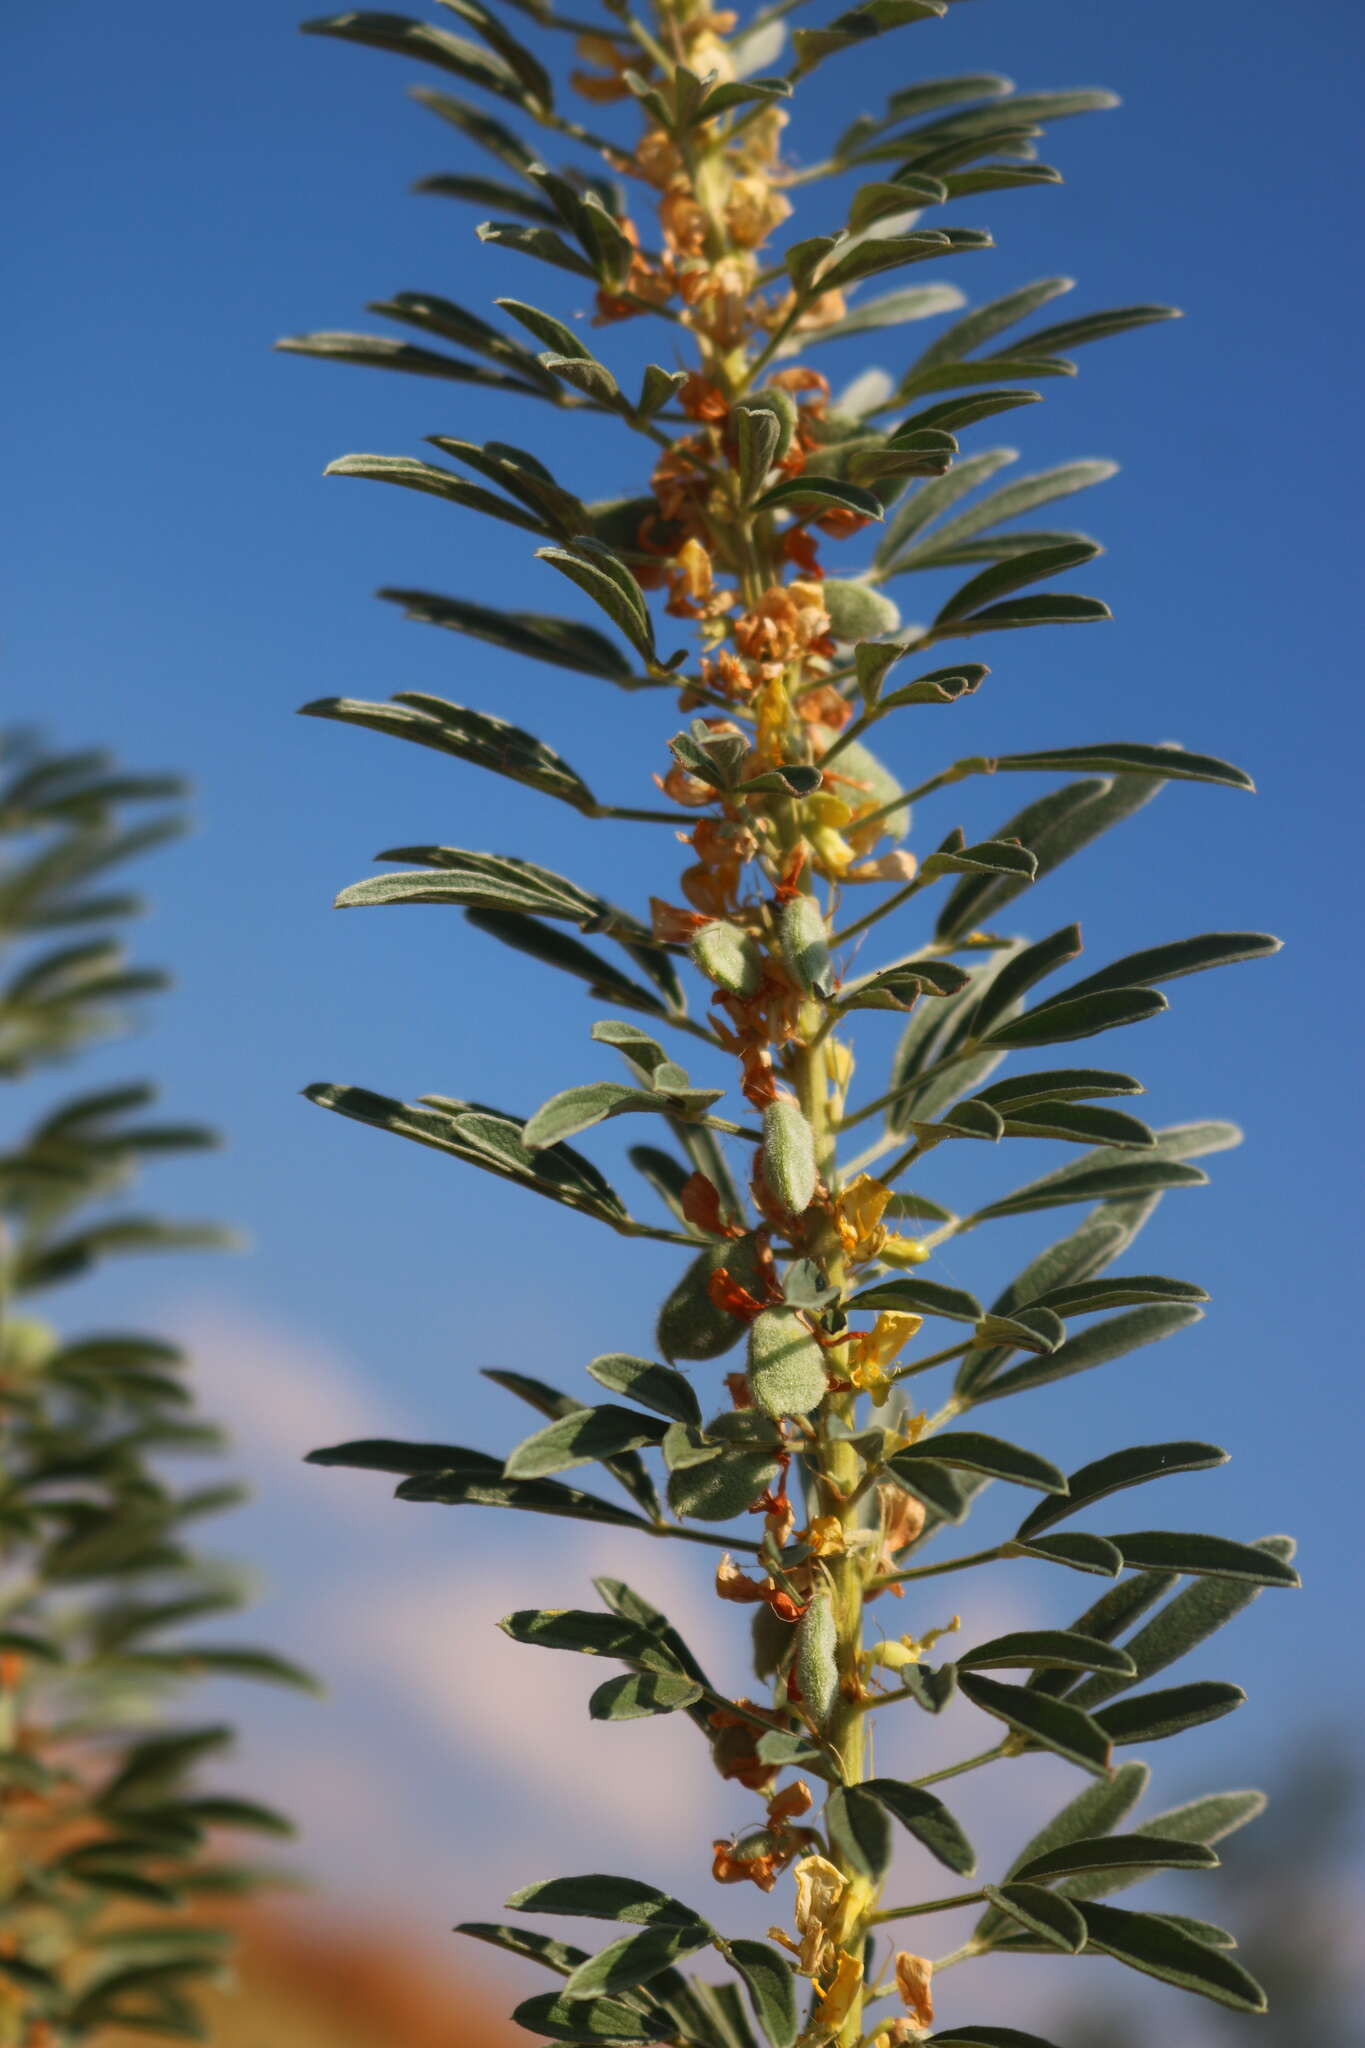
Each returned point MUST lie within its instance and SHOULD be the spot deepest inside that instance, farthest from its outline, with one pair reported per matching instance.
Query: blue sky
(180, 579)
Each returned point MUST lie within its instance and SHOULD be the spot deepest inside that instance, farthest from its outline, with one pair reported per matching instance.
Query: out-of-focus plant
(809, 1208)
(107, 1827)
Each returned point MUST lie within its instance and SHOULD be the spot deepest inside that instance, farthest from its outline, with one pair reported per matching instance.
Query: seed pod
(805, 948)
(789, 1156)
(857, 612)
(729, 957)
(786, 1365)
(817, 1673)
(690, 1324)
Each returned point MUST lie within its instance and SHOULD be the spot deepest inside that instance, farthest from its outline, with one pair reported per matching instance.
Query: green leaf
(586, 1436)
(1021, 972)
(918, 302)
(1156, 1948)
(543, 243)
(1120, 1469)
(413, 475)
(1115, 1852)
(598, 1897)
(871, 255)
(418, 39)
(1093, 1812)
(473, 736)
(988, 2037)
(1010, 501)
(771, 1984)
(1047, 1723)
(971, 1452)
(1061, 609)
(1207, 1556)
(384, 352)
(563, 642)
(624, 1465)
(637, 1695)
(578, 1109)
(1095, 1346)
(1053, 1920)
(1037, 1648)
(858, 1830)
(1082, 1181)
(1098, 326)
(874, 18)
(590, 2019)
(690, 1324)
(482, 1137)
(635, 1959)
(1172, 764)
(719, 1488)
(1075, 1548)
(817, 494)
(1195, 1613)
(590, 1634)
(989, 857)
(899, 987)
(1080, 1123)
(484, 881)
(488, 194)
(1152, 1716)
(652, 1385)
(604, 577)
(556, 949)
(473, 1479)
(1200, 1822)
(929, 1297)
(927, 1819)
(560, 1956)
(1168, 963)
(1084, 1016)
(1003, 578)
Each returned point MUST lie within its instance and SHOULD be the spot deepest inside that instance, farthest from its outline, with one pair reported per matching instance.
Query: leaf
(1172, 764)
(523, 1941)
(1200, 1822)
(598, 1897)
(1037, 1648)
(1120, 1469)
(484, 881)
(989, 857)
(473, 736)
(482, 1137)
(543, 243)
(873, 18)
(988, 2037)
(583, 1437)
(604, 577)
(719, 1488)
(858, 1830)
(1053, 1919)
(1082, 1181)
(1076, 1548)
(690, 1324)
(1093, 1812)
(1152, 1716)
(1080, 1123)
(1095, 1346)
(1115, 1852)
(927, 1819)
(1158, 1949)
(817, 494)
(917, 302)
(1168, 963)
(472, 1479)
(870, 255)
(1010, 501)
(590, 2019)
(1047, 1723)
(654, 1386)
(899, 987)
(1098, 326)
(769, 1980)
(635, 1959)
(929, 1297)
(1207, 1556)
(1003, 578)
(578, 1109)
(971, 1452)
(384, 352)
(1054, 827)
(413, 475)
(563, 642)
(1064, 1018)
(1196, 1613)
(556, 949)
(1021, 972)
(406, 38)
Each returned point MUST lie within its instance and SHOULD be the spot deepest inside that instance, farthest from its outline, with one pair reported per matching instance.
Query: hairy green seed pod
(729, 957)
(690, 1324)
(789, 1156)
(786, 1365)
(805, 947)
(857, 612)
(817, 1673)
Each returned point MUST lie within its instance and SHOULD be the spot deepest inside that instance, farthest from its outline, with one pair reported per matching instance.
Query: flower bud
(729, 957)
(786, 1365)
(805, 946)
(789, 1155)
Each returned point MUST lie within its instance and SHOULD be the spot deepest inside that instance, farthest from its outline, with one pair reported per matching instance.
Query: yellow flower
(825, 1536)
(820, 1892)
(913, 1975)
(858, 1217)
(838, 1998)
(888, 1336)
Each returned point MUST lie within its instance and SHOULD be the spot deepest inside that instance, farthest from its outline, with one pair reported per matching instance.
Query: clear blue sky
(193, 183)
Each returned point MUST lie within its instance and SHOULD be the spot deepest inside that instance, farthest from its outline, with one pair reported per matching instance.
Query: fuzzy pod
(817, 1671)
(789, 1156)
(805, 945)
(782, 405)
(690, 1324)
(720, 1488)
(786, 1365)
(729, 957)
(856, 612)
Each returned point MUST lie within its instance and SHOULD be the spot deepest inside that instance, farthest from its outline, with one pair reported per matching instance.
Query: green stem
(928, 1906)
(936, 1571)
(969, 1763)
